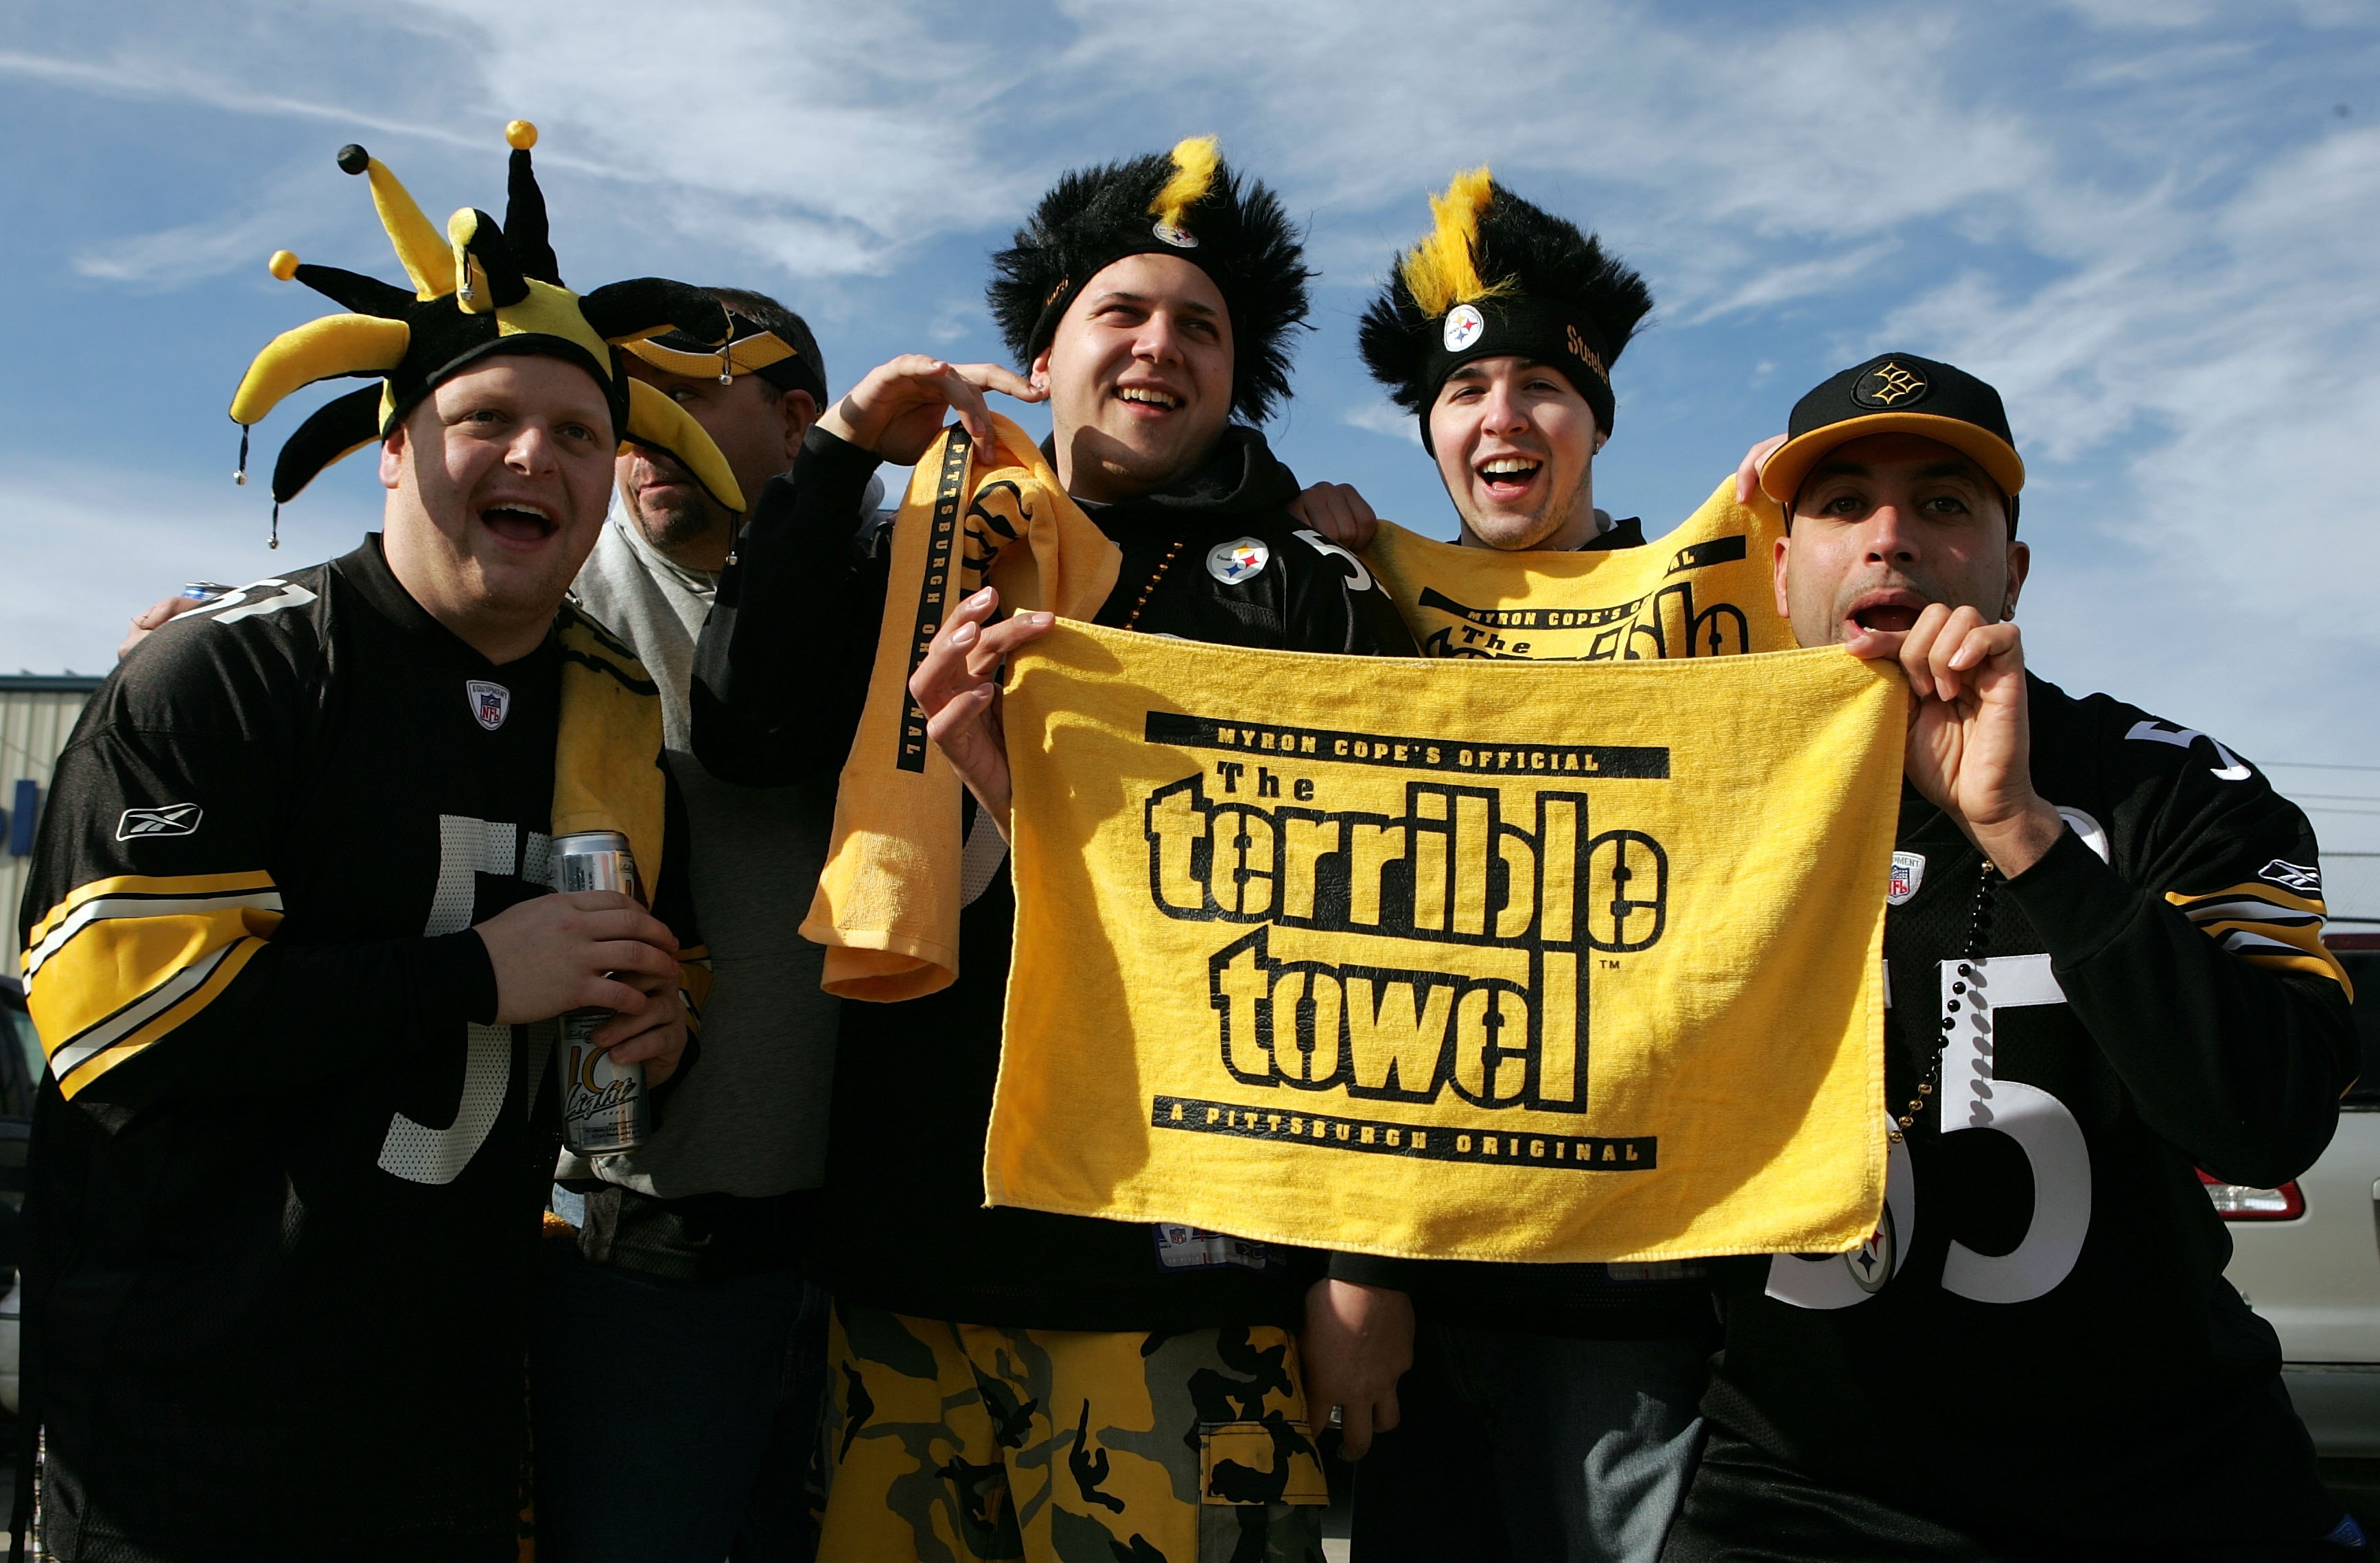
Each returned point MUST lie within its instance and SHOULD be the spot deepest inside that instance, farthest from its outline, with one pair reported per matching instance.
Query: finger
(1000, 378)
(649, 1047)
(1948, 680)
(1385, 1411)
(1988, 643)
(968, 403)
(954, 715)
(1747, 472)
(631, 954)
(1917, 645)
(1003, 640)
(626, 1027)
(597, 900)
(1875, 645)
(1355, 1429)
(629, 923)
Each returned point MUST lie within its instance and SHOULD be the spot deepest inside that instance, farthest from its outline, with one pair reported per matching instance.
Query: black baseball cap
(1896, 393)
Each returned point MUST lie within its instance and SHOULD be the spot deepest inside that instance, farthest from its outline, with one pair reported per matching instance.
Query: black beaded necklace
(1979, 928)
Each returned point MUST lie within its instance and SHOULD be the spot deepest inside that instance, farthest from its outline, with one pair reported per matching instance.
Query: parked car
(2306, 1255)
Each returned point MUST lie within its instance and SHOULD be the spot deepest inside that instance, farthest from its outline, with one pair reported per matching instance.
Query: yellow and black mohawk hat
(478, 290)
(1184, 202)
(1496, 276)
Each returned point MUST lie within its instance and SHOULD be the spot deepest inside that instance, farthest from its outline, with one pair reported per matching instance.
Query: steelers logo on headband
(1497, 277)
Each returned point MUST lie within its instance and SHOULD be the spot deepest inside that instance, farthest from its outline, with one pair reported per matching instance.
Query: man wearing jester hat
(1007, 1382)
(290, 943)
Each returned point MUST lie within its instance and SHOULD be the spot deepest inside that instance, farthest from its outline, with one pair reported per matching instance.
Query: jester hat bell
(1496, 276)
(479, 290)
(1188, 204)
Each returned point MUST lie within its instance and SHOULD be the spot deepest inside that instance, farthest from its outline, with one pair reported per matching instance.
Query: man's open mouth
(1892, 615)
(1148, 396)
(1508, 477)
(517, 520)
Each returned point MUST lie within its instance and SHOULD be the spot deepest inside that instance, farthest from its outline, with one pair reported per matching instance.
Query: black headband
(1527, 328)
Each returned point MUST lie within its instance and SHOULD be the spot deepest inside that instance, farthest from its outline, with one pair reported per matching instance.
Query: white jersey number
(1972, 1096)
(467, 848)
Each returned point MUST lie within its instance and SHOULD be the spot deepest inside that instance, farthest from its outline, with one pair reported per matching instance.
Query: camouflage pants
(964, 1444)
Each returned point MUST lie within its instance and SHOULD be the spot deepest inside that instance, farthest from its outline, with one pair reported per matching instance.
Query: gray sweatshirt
(751, 1120)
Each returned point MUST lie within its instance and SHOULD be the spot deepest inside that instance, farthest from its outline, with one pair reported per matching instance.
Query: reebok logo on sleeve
(172, 819)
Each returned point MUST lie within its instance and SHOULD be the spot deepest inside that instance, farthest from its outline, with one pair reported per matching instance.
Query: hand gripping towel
(887, 906)
(1702, 590)
(1452, 958)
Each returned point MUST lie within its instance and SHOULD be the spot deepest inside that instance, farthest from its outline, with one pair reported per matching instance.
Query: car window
(2364, 970)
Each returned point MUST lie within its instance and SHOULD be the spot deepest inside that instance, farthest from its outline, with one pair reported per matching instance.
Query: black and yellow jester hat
(1496, 276)
(479, 290)
(1185, 202)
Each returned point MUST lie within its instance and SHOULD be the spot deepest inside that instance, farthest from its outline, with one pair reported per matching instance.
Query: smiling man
(290, 946)
(1007, 1382)
(2103, 948)
(1537, 1411)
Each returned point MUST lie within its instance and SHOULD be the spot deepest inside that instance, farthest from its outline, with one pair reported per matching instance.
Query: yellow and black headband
(479, 290)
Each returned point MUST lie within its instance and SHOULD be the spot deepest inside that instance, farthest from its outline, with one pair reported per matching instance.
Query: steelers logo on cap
(1464, 324)
(1888, 384)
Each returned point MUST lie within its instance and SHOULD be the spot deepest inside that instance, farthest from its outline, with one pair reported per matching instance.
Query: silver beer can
(605, 1109)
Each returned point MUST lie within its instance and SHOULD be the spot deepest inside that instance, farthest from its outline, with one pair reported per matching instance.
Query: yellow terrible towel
(887, 906)
(1702, 590)
(1449, 958)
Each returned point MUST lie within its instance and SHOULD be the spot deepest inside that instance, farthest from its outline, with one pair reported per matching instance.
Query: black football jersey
(2039, 1340)
(287, 1180)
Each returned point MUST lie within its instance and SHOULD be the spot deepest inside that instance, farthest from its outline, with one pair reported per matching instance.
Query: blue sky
(2152, 225)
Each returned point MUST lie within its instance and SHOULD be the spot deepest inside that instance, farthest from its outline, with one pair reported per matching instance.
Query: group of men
(292, 946)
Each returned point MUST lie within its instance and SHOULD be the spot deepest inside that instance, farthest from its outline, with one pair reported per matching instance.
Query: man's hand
(1358, 1342)
(1339, 513)
(1747, 471)
(957, 686)
(154, 617)
(655, 1037)
(583, 951)
(1970, 730)
(897, 410)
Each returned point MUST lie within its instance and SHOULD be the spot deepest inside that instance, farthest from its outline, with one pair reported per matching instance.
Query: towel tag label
(933, 595)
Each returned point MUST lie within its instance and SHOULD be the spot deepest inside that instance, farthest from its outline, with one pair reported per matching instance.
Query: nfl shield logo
(490, 703)
(1908, 873)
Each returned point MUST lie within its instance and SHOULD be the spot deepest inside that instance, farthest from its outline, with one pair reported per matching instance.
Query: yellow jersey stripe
(148, 884)
(92, 1059)
(105, 907)
(2254, 889)
(122, 972)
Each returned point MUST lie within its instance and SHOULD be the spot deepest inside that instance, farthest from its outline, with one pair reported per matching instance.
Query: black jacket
(779, 678)
(2042, 1342)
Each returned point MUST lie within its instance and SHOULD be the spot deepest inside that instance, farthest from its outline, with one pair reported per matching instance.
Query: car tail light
(2238, 1201)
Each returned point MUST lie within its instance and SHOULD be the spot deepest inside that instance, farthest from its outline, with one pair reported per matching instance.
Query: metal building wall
(37, 712)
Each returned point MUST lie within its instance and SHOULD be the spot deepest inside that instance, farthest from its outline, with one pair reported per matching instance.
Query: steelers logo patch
(1181, 238)
(1234, 562)
(1889, 384)
(1464, 326)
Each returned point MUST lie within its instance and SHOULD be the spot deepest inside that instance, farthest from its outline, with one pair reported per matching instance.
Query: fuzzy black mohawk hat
(1185, 202)
(478, 290)
(1497, 275)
